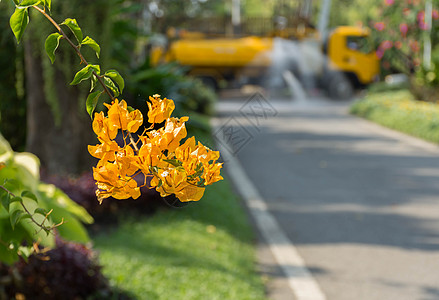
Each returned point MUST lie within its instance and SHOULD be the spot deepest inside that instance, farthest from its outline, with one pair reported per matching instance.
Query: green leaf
(110, 84)
(25, 252)
(94, 80)
(174, 162)
(52, 43)
(85, 73)
(74, 27)
(16, 199)
(18, 22)
(25, 216)
(29, 195)
(12, 184)
(48, 4)
(15, 217)
(92, 43)
(5, 199)
(40, 211)
(17, 2)
(92, 101)
(27, 3)
(113, 74)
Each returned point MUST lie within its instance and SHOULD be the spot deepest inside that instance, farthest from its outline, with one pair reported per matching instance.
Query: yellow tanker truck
(343, 63)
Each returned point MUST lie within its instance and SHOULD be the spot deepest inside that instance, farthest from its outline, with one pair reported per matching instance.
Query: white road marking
(300, 280)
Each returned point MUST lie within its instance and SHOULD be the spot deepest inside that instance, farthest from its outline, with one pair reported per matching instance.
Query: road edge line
(299, 278)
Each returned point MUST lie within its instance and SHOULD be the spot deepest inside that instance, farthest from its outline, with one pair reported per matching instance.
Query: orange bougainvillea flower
(159, 109)
(110, 183)
(121, 118)
(135, 120)
(176, 168)
(173, 133)
(167, 180)
(188, 192)
(105, 131)
(211, 173)
(105, 151)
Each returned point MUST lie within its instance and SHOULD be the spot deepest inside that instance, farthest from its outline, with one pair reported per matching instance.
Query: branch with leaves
(20, 214)
(111, 82)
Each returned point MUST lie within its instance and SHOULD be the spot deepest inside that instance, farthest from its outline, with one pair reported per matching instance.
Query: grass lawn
(400, 111)
(204, 250)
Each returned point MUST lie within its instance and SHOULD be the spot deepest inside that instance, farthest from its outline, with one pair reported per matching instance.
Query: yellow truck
(343, 63)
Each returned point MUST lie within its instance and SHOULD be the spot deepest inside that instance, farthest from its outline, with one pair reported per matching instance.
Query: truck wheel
(209, 82)
(339, 87)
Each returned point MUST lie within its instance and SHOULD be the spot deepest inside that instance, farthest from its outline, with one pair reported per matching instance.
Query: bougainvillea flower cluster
(177, 165)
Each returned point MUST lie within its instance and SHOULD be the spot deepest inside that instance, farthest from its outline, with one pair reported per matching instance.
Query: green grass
(202, 251)
(400, 111)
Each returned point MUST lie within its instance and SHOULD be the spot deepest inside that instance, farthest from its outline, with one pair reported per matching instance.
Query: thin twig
(132, 142)
(76, 48)
(41, 226)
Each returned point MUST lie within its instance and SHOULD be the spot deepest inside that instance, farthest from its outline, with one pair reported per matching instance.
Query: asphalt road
(359, 202)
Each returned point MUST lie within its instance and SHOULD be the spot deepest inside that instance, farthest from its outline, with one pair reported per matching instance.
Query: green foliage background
(12, 93)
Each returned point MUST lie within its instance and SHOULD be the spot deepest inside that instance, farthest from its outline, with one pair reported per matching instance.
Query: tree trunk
(61, 148)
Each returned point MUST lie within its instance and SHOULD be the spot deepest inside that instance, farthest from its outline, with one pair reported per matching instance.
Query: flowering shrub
(183, 169)
(398, 32)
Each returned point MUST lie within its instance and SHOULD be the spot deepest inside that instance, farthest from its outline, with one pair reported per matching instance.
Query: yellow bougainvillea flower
(188, 192)
(118, 114)
(167, 180)
(180, 169)
(110, 183)
(212, 173)
(105, 131)
(169, 137)
(174, 132)
(183, 153)
(159, 109)
(127, 162)
(120, 117)
(149, 155)
(204, 154)
(105, 151)
(135, 121)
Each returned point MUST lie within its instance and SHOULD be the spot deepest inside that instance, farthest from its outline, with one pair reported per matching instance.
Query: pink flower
(403, 28)
(379, 53)
(389, 2)
(423, 25)
(421, 16)
(380, 26)
(435, 14)
(385, 45)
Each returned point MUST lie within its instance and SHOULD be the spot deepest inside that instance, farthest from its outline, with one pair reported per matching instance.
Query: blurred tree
(170, 13)
(58, 127)
(12, 103)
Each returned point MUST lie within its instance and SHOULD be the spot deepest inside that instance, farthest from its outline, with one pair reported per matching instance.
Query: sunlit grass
(201, 251)
(399, 110)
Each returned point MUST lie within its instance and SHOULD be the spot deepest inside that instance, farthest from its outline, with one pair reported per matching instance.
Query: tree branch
(76, 48)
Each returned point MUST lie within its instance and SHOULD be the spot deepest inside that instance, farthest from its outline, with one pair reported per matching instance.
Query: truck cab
(349, 51)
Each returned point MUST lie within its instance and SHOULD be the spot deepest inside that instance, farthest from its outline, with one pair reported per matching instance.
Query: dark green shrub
(69, 271)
